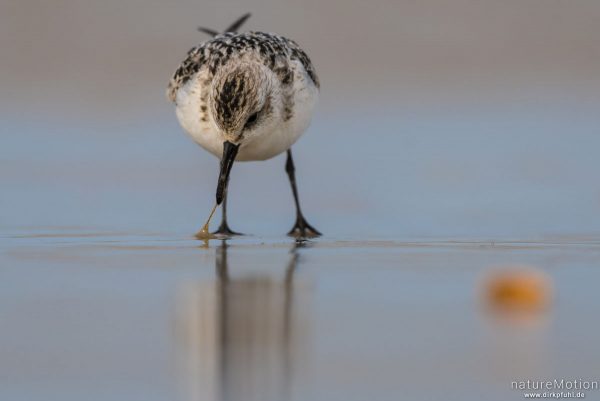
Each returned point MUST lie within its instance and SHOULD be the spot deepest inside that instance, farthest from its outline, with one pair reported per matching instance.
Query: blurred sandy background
(114, 57)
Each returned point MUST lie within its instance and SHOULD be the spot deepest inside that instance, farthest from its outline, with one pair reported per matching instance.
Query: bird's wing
(297, 53)
(217, 51)
(193, 62)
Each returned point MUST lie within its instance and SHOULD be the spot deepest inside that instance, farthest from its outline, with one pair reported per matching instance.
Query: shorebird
(246, 96)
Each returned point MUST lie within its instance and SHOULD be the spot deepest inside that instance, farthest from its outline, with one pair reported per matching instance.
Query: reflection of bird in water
(244, 336)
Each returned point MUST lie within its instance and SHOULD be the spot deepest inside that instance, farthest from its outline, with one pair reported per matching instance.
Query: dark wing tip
(237, 24)
(232, 28)
(208, 31)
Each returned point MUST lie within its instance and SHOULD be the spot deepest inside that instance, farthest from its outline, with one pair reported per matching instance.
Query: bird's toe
(304, 230)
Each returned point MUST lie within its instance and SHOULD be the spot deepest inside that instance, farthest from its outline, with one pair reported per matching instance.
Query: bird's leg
(224, 227)
(301, 228)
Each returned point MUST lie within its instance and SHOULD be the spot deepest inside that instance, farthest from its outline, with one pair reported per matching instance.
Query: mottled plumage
(275, 51)
(243, 97)
(256, 86)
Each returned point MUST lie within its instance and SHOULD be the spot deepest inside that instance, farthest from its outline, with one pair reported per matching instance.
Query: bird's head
(241, 100)
(244, 104)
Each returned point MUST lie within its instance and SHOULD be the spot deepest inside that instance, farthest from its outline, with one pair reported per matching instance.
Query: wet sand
(108, 316)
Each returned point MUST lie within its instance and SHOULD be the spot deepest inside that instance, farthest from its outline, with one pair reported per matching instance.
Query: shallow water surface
(107, 316)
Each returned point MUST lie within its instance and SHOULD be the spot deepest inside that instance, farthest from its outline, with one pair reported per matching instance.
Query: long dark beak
(229, 153)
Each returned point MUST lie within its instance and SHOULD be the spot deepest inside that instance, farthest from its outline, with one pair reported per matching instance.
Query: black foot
(303, 230)
(224, 230)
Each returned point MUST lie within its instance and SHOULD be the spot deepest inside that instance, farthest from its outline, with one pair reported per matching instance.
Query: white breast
(189, 112)
(269, 143)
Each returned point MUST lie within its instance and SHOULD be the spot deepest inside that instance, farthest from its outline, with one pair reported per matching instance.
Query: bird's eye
(251, 120)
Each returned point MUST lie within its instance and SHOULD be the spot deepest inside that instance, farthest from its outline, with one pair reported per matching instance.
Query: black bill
(229, 153)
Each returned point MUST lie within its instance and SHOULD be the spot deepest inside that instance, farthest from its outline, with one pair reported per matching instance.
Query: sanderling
(246, 96)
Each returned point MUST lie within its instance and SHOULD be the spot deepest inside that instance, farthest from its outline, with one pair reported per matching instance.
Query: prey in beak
(230, 151)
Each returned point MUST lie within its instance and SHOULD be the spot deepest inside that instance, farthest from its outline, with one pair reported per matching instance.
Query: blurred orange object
(519, 289)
